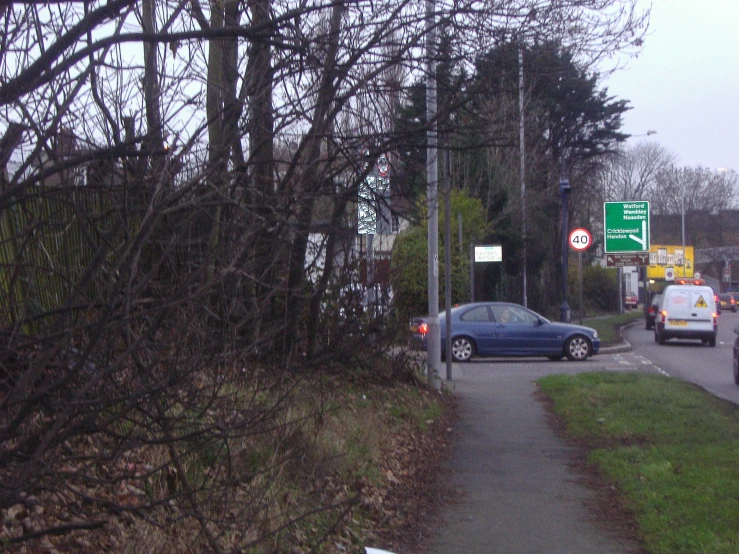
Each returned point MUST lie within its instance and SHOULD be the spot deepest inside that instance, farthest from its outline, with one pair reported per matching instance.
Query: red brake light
(423, 328)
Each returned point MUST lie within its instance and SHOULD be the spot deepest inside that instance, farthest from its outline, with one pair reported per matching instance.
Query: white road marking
(633, 363)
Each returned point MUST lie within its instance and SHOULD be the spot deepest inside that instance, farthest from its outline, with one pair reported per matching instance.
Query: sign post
(580, 239)
(482, 254)
(626, 229)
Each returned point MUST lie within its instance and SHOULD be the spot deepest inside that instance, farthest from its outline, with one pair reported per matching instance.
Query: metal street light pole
(522, 148)
(433, 338)
(564, 194)
(682, 218)
(642, 269)
(446, 178)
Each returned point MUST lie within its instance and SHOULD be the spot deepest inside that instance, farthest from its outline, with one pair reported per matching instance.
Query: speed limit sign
(580, 239)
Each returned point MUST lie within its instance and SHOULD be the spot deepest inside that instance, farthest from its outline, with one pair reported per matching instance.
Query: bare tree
(631, 173)
(683, 189)
(154, 293)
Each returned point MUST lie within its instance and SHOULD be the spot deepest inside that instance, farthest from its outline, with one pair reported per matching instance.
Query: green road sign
(626, 226)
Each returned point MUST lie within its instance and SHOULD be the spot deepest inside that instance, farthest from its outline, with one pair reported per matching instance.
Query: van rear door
(690, 308)
(703, 306)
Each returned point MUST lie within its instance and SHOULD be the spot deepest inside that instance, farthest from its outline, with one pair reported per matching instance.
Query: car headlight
(595, 334)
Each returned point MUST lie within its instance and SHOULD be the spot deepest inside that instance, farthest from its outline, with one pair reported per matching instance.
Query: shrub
(600, 288)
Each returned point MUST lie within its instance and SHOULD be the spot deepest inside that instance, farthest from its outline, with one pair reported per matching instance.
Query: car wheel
(462, 349)
(577, 348)
(736, 371)
(649, 326)
(733, 309)
(712, 341)
(659, 337)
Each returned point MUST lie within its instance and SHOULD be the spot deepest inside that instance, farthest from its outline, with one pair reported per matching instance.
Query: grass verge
(609, 327)
(670, 448)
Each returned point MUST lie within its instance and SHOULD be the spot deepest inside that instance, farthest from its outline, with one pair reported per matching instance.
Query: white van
(687, 311)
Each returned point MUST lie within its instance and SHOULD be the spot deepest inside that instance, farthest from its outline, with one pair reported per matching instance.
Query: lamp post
(522, 152)
(641, 270)
(682, 219)
(649, 133)
(564, 194)
(433, 337)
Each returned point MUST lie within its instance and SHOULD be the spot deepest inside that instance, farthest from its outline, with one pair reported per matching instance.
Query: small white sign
(669, 274)
(488, 254)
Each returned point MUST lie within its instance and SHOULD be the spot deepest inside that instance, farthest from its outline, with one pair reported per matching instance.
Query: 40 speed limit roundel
(580, 239)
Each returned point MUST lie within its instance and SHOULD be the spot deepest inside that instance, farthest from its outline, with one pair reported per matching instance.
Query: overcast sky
(685, 83)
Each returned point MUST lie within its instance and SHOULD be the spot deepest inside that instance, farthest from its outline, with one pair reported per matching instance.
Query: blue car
(506, 329)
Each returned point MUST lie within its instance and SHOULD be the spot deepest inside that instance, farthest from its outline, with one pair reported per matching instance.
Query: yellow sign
(668, 260)
(701, 303)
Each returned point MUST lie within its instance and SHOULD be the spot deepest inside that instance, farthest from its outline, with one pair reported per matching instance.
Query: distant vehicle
(687, 310)
(505, 329)
(727, 301)
(651, 309)
(717, 302)
(631, 300)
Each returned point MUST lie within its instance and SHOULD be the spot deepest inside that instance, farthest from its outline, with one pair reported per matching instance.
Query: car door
(477, 323)
(701, 308)
(519, 335)
(527, 335)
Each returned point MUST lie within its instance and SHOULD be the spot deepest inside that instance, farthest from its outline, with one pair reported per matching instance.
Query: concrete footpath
(519, 494)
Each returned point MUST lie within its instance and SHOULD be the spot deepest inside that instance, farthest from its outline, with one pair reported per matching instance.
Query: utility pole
(433, 338)
(564, 194)
(448, 262)
(682, 218)
(522, 149)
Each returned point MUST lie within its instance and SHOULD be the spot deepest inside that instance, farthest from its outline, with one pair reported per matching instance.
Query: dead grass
(346, 461)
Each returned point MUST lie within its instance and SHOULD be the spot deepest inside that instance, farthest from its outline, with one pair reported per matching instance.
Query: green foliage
(474, 222)
(669, 448)
(408, 267)
(570, 119)
(609, 328)
(409, 261)
(570, 114)
(409, 274)
(599, 287)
